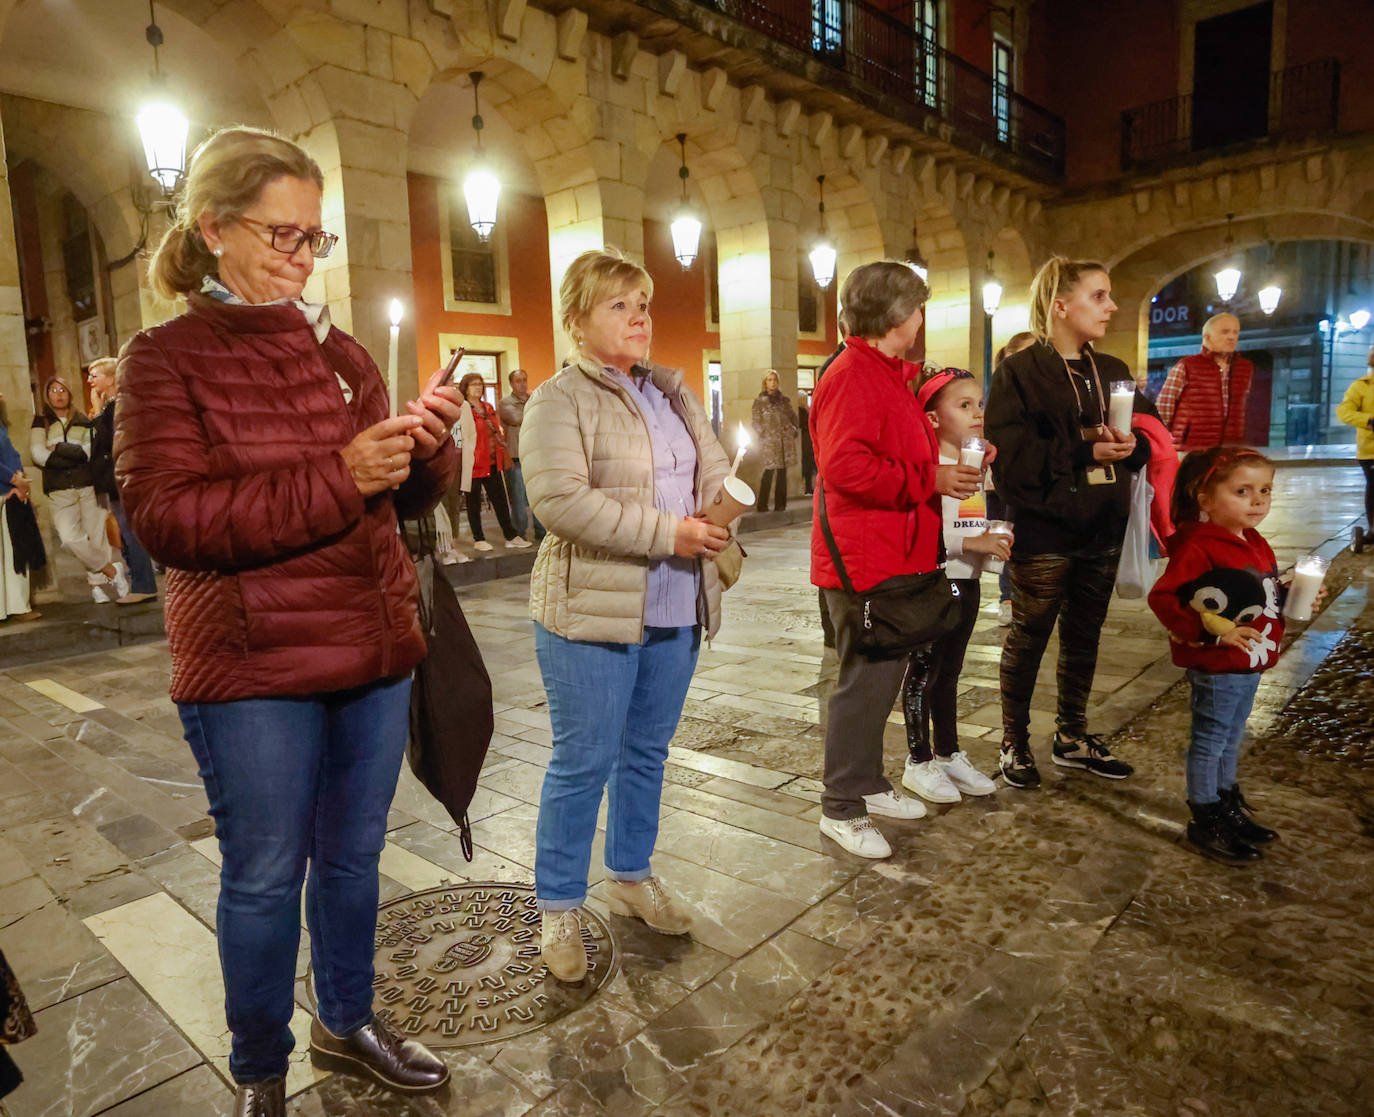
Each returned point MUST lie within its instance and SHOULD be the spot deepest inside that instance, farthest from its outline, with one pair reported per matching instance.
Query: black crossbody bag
(899, 614)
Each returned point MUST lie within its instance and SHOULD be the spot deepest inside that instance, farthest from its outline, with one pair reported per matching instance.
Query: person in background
(1067, 474)
(256, 458)
(511, 410)
(880, 486)
(998, 509)
(620, 459)
(1204, 396)
(101, 376)
(19, 533)
(775, 428)
(484, 462)
(1356, 409)
(60, 445)
(808, 454)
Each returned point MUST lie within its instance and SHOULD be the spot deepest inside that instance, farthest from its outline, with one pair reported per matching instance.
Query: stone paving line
(101, 811)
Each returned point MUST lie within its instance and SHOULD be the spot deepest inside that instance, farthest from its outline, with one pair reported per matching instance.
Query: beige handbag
(730, 562)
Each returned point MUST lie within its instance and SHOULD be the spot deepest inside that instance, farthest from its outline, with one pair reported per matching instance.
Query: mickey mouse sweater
(1215, 581)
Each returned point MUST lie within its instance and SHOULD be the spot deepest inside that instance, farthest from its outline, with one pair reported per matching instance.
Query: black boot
(1211, 835)
(261, 1099)
(1238, 814)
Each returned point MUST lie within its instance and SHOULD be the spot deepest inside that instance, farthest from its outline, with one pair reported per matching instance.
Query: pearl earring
(218, 253)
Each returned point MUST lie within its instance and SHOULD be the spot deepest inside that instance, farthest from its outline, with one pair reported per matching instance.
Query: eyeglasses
(287, 239)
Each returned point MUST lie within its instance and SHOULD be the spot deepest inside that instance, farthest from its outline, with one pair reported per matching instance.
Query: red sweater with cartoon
(1215, 581)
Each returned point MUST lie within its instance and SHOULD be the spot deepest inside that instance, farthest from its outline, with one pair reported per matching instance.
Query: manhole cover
(460, 965)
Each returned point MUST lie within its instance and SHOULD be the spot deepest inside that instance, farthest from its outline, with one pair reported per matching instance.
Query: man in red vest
(1203, 399)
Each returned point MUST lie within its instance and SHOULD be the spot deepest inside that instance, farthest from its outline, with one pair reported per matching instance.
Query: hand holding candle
(735, 497)
(1308, 574)
(972, 451)
(1123, 403)
(393, 348)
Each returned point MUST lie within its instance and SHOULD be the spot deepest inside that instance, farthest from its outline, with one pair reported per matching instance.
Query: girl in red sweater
(1220, 599)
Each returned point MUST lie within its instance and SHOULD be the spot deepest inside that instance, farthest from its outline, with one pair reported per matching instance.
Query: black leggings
(496, 493)
(779, 493)
(1367, 464)
(930, 691)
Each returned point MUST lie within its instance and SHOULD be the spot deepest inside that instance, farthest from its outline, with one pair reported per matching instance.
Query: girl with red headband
(1220, 599)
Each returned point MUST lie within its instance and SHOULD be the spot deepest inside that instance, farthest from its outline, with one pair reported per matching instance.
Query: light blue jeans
(1220, 704)
(614, 708)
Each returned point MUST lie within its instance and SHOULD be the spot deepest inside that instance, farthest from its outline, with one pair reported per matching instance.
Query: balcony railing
(890, 57)
(1303, 101)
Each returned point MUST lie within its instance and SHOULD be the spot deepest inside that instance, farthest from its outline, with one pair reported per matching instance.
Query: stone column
(14, 352)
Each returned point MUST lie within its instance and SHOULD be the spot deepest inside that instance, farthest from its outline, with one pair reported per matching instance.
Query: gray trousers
(863, 697)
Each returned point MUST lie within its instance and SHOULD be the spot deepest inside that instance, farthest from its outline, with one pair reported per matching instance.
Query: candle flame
(397, 311)
(742, 439)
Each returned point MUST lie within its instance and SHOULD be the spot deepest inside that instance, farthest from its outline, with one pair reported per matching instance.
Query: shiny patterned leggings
(1074, 590)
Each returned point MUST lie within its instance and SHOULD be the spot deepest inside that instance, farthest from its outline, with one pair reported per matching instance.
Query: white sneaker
(518, 543)
(461, 558)
(929, 781)
(121, 581)
(891, 805)
(1004, 614)
(481, 545)
(101, 594)
(448, 558)
(857, 835)
(963, 775)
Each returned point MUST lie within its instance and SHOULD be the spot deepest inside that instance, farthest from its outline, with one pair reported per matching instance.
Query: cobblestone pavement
(1053, 952)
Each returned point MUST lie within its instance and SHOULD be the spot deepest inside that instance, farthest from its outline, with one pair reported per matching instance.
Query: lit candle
(743, 444)
(393, 348)
(1123, 403)
(1308, 574)
(972, 451)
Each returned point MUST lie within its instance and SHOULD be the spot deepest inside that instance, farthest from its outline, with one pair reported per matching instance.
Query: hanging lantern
(1359, 319)
(1269, 298)
(823, 255)
(915, 259)
(686, 227)
(161, 125)
(1228, 278)
(992, 290)
(481, 188)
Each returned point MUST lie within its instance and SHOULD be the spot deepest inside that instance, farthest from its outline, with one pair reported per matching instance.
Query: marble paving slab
(175, 958)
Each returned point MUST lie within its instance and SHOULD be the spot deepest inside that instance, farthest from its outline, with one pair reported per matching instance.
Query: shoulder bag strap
(830, 539)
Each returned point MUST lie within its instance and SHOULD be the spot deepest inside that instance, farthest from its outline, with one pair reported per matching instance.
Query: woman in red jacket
(488, 462)
(256, 460)
(881, 482)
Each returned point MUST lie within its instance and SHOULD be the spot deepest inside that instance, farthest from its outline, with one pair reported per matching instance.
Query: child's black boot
(1210, 833)
(1238, 811)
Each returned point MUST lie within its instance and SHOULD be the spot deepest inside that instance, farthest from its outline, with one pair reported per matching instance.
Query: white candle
(392, 351)
(971, 452)
(994, 565)
(742, 441)
(1308, 574)
(1123, 403)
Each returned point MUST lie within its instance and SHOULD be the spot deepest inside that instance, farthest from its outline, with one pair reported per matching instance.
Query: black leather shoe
(377, 1049)
(1211, 835)
(262, 1099)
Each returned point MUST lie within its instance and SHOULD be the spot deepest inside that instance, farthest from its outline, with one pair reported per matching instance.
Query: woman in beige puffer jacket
(618, 460)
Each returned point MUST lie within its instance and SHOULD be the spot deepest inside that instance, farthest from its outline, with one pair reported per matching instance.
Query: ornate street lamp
(992, 291)
(481, 188)
(1269, 298)
(686, 226)
(161, 125)
(1228, 278)
(823, 255)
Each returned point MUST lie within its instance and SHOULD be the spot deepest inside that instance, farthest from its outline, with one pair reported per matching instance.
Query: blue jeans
(291, 782)
(141, 576)
(1220, 704)
(614, 708)
(520, 514)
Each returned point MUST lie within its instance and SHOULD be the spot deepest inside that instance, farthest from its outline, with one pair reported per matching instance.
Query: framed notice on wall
(90, 340)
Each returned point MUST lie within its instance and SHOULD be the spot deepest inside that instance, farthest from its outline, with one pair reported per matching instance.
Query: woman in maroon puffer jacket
(256, 460)
(881, 481)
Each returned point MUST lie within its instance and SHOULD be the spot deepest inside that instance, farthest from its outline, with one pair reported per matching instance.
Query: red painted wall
(679, 307)
(1340, 29)
(531, 316)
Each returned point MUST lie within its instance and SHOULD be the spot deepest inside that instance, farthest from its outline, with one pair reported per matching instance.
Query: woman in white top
(60, 445)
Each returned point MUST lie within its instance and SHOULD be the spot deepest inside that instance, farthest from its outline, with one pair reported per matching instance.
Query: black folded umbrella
(451, 718)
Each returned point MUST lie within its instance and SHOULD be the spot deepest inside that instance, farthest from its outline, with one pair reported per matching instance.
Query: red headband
(927, 391)
(1225, 458)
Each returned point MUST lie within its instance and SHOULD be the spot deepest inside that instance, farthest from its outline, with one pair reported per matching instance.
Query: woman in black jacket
(1067, 474)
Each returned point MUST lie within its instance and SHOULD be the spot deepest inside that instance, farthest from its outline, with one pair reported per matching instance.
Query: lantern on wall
(481, 187)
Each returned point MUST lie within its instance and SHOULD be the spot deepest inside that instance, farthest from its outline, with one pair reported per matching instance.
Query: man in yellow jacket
(1357, 410)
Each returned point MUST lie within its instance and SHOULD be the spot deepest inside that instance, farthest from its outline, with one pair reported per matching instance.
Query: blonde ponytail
(1057, 277)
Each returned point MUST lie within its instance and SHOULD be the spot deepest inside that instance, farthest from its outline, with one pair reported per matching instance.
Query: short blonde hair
(100, 362)
(1057, 278)
(880, 296)
(226, 176)
(594, 276)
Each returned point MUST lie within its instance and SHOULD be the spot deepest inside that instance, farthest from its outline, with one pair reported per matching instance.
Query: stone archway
(949, 311)
(1013, 269)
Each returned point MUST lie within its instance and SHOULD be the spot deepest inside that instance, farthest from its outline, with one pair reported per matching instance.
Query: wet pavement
(1058, 952)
